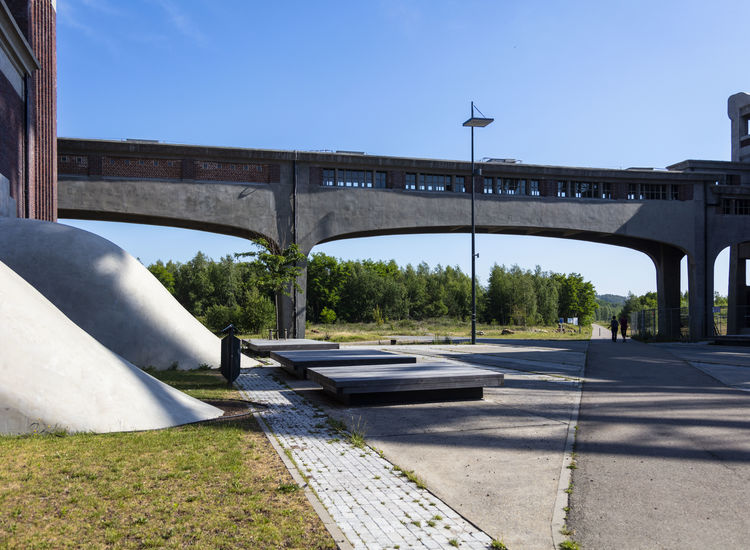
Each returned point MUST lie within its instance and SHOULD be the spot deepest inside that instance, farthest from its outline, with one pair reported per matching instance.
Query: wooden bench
(297, 362)
(400, 383)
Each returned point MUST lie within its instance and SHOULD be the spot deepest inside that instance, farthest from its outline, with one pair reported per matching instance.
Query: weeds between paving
(210, 485)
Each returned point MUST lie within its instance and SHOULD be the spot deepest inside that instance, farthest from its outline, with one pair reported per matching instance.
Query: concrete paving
(498, 461)
(663, 449)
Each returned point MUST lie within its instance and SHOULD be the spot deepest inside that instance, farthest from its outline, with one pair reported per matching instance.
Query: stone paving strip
(372, 503)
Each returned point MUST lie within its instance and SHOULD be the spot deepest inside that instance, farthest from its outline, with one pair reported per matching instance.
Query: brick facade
(36, 165)
(11, 137)
(166, 168)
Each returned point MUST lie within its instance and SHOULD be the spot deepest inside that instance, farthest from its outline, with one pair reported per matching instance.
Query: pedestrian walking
(624, 327)
(613, 325)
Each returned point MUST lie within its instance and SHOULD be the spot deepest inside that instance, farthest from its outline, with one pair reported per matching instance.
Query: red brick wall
(239, 172)
(11, 139)
(36, 19)
(73, 165)
(142, 168)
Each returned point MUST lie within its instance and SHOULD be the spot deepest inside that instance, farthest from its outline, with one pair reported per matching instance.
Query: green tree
(325, 278)
(281, 268)
(163, 274)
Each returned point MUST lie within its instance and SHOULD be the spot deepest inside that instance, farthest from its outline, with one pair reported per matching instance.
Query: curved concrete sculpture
(55, 376)
(108, 293)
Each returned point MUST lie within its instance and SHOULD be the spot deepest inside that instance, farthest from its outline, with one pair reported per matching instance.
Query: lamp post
(474, 122)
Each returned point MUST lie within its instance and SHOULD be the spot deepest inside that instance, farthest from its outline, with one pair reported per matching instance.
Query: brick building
(28, 109)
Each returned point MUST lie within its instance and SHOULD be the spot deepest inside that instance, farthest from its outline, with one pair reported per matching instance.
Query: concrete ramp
(109, 294)
(56, 376)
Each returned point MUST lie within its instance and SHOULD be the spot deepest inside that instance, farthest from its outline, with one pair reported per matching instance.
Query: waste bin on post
(230, 355)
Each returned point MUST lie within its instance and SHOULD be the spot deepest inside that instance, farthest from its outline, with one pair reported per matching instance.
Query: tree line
(243, 292)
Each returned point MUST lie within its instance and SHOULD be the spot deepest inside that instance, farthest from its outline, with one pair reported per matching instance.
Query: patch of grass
(453, 542)
(201, 384)
(569, 545)
(355, 436)
(498, 545)
(566, 531)
(210, 485)
(411, 476)
(442, 330)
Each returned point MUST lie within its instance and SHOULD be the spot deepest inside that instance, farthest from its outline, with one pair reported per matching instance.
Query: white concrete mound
(109, 294)
(55, 376)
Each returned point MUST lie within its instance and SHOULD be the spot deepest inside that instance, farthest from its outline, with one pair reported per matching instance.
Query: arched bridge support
(738, 316)
(667, 262)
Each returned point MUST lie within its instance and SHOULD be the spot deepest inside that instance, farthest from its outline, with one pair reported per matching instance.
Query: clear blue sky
(576, 83)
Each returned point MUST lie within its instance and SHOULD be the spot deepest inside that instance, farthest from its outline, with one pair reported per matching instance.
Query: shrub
(327, 316)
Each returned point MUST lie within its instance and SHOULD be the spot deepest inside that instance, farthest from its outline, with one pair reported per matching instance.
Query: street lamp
(474, 122)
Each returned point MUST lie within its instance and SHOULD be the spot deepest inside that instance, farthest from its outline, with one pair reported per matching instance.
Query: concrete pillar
(701, 295)
(667, 261)
(738, 289)
(292, 312)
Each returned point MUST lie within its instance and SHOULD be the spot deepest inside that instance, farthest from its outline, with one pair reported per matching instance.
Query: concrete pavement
(663, 449)
(498, 461)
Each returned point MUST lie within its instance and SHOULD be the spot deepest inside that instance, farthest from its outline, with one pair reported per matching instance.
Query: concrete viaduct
(694, 208)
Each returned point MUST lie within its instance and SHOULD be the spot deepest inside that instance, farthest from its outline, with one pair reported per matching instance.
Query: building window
(654, 191)
(562, 189)
(586, 190)
(534, 188)
(355, 178)
(633, 194)
(459, 185)
(489, 186)
(432, 182)
(742, 206)
(170, 163)
(606, 190)
(674, 192)
(140, 162)
(127, 162)
(411, 182)
(329, 177)
(380, 179)
(205, 166)
(156, 163)
(64, 158)
(80, 160)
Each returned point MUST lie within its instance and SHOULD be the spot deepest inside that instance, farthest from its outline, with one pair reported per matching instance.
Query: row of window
(604, 190)
(584, 190)
(511, 186)
(735, 206)
(353, 178)
(435, 182)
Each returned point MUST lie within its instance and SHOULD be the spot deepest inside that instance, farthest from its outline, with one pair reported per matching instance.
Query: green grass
(411, 476)
(440, 329)
(211, 485)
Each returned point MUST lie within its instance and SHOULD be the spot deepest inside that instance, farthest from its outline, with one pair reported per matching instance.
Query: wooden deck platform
(399, 383)
(263, 346)
(297, 362)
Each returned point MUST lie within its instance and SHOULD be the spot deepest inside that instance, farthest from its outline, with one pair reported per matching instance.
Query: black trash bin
(230, 355)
